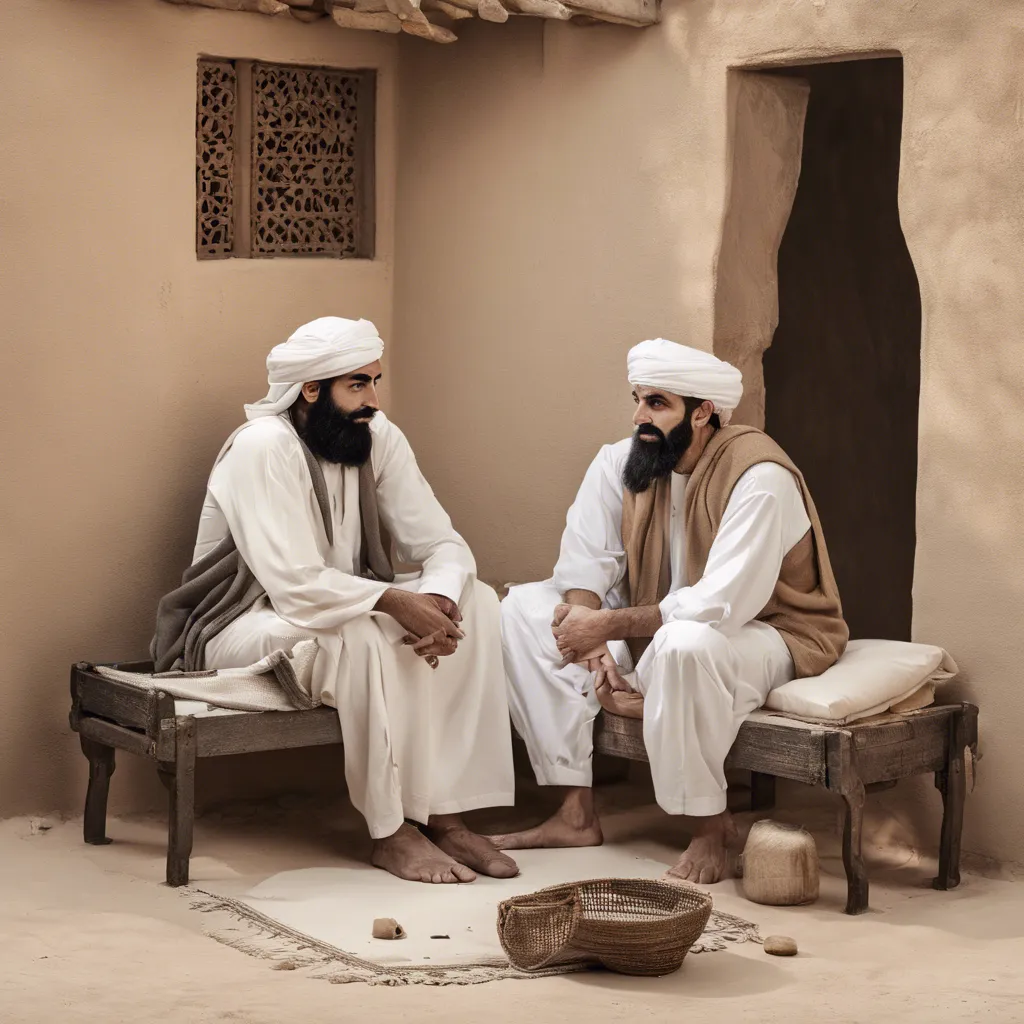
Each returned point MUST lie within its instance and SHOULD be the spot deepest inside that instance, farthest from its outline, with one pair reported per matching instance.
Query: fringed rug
(321, 919)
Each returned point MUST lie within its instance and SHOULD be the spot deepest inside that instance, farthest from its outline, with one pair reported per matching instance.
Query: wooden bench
(850, 761)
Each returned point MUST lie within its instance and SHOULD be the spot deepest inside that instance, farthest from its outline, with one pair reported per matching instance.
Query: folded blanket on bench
(282, 681)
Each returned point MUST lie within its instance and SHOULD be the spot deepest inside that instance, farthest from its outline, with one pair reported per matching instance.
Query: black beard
(333, 435)
(650, 460)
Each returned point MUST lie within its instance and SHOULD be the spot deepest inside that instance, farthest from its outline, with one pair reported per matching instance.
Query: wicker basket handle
(538, 933)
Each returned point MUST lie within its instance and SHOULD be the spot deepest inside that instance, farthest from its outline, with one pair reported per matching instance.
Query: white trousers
(698, 686)
(418, 741)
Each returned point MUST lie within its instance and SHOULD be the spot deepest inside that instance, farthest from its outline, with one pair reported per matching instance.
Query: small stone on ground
(780, 945)
(387, 928)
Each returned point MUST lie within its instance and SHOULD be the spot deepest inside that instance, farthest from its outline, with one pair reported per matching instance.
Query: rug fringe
(728, 930)
(266, 939)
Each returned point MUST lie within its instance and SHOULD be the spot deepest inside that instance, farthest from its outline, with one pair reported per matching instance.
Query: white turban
(685, 371)
(324, 348)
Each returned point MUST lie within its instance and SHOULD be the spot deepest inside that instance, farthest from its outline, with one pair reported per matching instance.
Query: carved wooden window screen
(215, 158)
(284, 161)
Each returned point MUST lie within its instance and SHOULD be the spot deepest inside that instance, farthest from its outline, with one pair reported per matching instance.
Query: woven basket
(628, 925)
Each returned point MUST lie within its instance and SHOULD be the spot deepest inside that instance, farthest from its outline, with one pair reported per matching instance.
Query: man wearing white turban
(694, 553)
(413, 665)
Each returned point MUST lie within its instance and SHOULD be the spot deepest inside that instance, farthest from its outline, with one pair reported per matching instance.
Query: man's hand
(606, 670)
(447, 606)
(431, 632)
(578, 631)
(438, 645)
(432, 646)
(612, 691)
(606, 674)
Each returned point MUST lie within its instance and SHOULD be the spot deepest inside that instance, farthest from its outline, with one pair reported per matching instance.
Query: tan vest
(805, 607)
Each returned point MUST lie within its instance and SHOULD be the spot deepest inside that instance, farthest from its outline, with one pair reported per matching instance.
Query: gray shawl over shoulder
(219, 587)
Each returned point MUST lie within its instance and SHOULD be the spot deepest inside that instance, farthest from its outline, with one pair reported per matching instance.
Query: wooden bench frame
(850, 761)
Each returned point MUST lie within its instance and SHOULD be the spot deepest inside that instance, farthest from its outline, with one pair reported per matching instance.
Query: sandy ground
(92, 934)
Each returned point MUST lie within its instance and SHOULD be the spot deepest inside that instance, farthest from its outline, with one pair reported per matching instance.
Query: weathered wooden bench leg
(853, 861)
(101, 767)
(844, 779)
(952, 783)
(182, 802)
(762, 791)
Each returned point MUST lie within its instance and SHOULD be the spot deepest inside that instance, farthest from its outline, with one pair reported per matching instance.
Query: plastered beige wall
(562, 195)
(126, 361)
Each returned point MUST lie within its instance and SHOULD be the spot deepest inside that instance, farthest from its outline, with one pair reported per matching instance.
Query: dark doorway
(842, 375)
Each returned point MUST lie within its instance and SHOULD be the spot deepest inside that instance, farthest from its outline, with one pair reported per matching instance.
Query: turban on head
(688, 372)
(324, 348)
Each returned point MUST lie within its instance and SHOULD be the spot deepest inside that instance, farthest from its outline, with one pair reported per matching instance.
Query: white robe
(418, 741)
(707, 667)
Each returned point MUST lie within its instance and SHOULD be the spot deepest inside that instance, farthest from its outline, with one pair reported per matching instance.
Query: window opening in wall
(284, 160)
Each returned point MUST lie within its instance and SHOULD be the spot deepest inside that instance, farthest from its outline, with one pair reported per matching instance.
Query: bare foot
(706, 858)
(574, 824)
(475, 851)
(411, 855)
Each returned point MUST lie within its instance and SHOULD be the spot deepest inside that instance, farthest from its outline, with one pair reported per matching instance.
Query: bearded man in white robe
(413, 666)
(694, 553)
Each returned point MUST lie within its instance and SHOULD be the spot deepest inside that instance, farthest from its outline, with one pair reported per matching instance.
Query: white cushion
(872, 676)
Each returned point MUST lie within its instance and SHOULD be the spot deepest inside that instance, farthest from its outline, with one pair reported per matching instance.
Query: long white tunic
(417, 741)
(764, 518)
(261, 492)
(709, 665)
